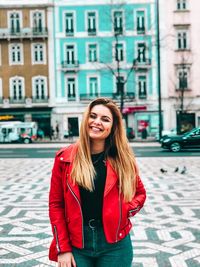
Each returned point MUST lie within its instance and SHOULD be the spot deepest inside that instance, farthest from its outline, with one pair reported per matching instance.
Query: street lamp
(159, 82)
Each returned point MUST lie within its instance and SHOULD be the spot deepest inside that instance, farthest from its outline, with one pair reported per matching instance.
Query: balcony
(92, 32)
(25, 33)
(141, 64)
(127, 96)
(40, 100)
(69, 32)
(140, 30)
(70, 66)
(118, 30)
(13, 100)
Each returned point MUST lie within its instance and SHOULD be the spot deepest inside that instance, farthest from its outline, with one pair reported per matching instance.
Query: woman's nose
(97, 120)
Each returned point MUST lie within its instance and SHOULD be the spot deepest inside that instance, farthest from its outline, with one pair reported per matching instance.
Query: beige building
(24, 71)
(180, 60)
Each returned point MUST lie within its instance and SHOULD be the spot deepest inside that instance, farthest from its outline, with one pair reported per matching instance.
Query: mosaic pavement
(166, 233)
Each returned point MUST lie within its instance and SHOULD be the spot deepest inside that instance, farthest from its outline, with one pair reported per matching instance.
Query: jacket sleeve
(138, 200)
(57, 207)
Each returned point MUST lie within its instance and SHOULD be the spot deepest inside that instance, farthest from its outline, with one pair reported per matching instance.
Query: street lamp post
(159, 82)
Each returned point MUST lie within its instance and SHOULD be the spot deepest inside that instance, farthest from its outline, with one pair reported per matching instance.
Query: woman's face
(100, 123)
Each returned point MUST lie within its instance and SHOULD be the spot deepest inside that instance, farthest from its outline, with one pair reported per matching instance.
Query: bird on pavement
(184, 170)
(163, 170)
(176, 169)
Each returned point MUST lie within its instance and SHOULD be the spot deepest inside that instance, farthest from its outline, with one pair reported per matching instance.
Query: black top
(92, 202)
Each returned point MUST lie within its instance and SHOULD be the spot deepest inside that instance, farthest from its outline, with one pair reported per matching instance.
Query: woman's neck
(97, 147)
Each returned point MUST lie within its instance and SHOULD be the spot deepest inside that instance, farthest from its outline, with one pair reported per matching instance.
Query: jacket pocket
(124, 230)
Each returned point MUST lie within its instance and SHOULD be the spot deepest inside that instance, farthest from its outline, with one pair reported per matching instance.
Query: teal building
(105, 48)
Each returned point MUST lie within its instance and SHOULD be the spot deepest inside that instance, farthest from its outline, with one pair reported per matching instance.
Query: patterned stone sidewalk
(166, 233)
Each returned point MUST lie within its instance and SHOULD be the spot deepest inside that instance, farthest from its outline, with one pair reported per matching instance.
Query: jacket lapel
(111, 178)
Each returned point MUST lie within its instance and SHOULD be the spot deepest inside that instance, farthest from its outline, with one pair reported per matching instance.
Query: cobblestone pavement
(166, 233)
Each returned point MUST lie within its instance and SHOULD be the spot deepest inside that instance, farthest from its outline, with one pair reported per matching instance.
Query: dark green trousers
(98, 253)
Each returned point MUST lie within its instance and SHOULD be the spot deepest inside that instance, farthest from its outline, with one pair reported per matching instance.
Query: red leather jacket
(65, 206)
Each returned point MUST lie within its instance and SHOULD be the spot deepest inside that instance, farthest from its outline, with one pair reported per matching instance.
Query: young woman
(95, 189)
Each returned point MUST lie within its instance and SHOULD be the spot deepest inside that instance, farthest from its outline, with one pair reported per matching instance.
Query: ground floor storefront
(41, 115)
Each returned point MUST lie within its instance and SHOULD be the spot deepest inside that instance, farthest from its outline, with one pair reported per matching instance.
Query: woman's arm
(57, 207)
(138, 200)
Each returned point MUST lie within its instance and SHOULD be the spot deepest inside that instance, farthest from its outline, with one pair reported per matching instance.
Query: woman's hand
(66, 259)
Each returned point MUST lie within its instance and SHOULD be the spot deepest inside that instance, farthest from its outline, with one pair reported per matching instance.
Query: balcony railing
(23, 33)
(118, 30)
(92, 32)
(127, 96)
(142, 63)
(13, 100)
(69, 32)
(41, 99)
(70, 65)
(140, 30)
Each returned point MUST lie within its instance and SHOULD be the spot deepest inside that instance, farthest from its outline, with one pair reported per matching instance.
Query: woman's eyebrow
(106, 117)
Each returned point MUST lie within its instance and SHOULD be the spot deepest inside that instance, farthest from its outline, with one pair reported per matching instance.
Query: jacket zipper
(138, 207)
(57, 241)
(80, 209)
(120, 217)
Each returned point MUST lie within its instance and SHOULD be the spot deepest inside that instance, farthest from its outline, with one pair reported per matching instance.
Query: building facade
(24, 68)
(180, 59)
(104, 48)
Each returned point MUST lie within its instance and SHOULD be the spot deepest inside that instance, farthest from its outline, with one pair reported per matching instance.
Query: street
(166, 233)
(49, 150)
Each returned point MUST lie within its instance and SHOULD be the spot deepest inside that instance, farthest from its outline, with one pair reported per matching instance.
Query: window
(71, 88)
(14, 21)
(91, 20)
(141, 52)
(70, 54)
(38, 53)
(182, 39)
(16, 55)
(92, 52)
(93, 86)
(17, 88)
(183, 78)
(39, 88)
(142, 87)
(119, 52)
(181, 4)
(118, 22)
(69, 23)
(140, 17)
(37, 21)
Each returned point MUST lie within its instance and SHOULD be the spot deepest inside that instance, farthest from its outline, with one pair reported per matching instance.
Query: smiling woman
(95, 189)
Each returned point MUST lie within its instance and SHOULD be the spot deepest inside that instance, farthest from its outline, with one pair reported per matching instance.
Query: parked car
(130, 133)
(188, 140)
(166, 133)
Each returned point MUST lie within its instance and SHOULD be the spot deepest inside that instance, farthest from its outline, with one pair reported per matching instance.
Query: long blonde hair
(117, 151)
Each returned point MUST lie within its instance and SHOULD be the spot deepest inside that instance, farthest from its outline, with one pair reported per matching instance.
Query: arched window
(39, 88)
(17, 89)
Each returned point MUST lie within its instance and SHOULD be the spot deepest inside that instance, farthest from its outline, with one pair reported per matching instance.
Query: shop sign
(6, 117)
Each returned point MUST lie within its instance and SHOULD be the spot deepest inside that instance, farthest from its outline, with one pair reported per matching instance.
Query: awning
(128, 110)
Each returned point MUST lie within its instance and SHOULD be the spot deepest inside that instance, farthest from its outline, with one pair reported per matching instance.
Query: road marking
(46, 151)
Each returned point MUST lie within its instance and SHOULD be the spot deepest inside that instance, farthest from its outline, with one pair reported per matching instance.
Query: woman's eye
(92, 116)
(105, 119)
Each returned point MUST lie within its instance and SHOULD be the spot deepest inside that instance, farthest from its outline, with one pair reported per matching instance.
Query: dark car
(188, 140)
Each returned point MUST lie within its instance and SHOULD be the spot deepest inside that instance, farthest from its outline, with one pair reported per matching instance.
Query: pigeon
(183, 170)
(176, 169)
(163, 170)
